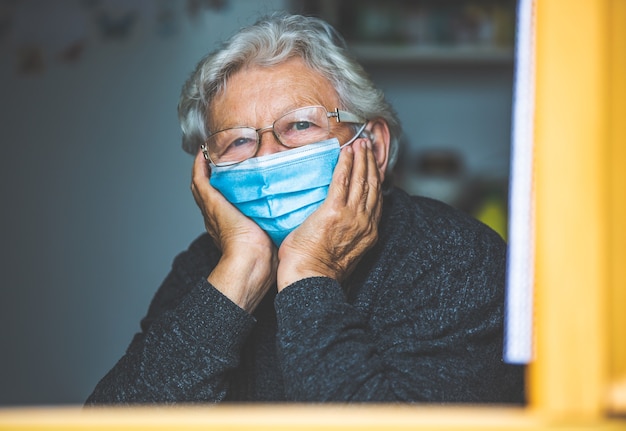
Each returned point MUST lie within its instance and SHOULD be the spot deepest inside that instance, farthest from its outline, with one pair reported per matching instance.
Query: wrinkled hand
(247, 268)
(332, 240)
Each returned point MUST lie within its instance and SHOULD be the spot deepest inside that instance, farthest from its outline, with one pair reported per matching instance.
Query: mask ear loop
(362, 133)
(367, 134)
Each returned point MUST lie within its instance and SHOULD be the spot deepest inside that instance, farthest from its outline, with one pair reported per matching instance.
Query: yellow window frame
(578, 376)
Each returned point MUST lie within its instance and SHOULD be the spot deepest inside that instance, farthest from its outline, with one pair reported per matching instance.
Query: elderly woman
(317, 280)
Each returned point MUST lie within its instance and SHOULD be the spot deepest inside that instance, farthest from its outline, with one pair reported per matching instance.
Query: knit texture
(420, 320)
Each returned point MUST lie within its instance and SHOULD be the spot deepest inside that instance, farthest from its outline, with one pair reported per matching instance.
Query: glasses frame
(339, 115)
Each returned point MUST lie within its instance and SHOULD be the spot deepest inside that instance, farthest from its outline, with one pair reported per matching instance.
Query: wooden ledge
(291, 417)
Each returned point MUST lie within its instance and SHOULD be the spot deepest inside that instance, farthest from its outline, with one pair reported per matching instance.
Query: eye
(237, 146)
(241, 141)
(302, 125)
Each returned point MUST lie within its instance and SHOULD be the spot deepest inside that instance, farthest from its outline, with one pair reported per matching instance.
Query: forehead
(256, 96)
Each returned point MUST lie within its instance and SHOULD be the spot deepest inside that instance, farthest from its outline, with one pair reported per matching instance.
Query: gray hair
(273, 40)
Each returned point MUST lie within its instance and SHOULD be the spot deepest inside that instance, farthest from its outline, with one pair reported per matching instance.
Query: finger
(359, 187)
(373, 198)
(200, 172)
(340, 184)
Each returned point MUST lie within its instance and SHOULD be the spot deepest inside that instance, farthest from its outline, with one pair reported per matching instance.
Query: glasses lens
(302, 127)
(232, 145)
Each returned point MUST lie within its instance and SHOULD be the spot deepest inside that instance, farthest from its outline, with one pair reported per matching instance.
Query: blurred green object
(493, 213)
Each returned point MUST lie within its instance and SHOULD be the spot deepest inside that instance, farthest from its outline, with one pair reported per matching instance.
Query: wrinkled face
(257, 96)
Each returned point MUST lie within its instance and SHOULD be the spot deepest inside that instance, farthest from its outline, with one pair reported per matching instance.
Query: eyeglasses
(294, 129)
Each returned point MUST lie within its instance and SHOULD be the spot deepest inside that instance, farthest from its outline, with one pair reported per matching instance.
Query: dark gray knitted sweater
(420, 320)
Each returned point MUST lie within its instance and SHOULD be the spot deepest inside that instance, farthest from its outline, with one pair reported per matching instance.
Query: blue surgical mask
(279, 191)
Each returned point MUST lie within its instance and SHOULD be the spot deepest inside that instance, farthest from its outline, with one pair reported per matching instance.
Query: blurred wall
(95, 188)
(464, 108)
(94, 185)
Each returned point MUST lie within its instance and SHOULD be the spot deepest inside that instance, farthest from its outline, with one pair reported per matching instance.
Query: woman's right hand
(247, 268)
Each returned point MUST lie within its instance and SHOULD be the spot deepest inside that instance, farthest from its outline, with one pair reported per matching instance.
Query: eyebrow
(289, 108)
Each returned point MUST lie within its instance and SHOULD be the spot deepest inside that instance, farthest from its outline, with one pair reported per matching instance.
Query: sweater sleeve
(324, 347)
(429, 333)
(190, 341)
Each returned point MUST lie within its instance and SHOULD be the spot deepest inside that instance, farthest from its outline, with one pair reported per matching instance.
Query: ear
(378, 130)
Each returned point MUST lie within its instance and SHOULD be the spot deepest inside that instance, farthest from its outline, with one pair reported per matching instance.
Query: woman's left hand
(332, 240)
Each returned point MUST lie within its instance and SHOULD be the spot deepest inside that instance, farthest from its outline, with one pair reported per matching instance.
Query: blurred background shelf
(464, 31)
(374, 53)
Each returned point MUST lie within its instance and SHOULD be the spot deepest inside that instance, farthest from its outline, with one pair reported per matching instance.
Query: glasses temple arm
(345, 117)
